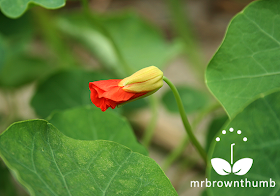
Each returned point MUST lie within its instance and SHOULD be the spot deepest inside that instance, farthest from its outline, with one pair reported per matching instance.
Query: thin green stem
(185, 120)
(177, 152)
(149, 132)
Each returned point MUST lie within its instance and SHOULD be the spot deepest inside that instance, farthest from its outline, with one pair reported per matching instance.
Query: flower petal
(118, 94)
(107, 93)
(105, 85)
(102, 103)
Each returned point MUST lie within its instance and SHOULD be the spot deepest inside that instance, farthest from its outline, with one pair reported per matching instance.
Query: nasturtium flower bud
(110, 93)
(144, 80)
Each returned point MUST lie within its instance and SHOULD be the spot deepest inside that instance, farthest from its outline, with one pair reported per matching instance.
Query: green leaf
(247, 63)
(140, 43)
(260, 124)
(47, 162)
(193, 100)
(14, 8)
(96, 125)
(64, 90)
(21, 70)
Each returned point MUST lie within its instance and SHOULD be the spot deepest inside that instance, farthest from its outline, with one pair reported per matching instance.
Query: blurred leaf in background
(89, 123)
(17, 31)
(19, 67)
(139, 43)
(64, 90)
(193, 99)
(2, 52)
(134, 105)
(21, 70)
(7, 187)
(14, 8)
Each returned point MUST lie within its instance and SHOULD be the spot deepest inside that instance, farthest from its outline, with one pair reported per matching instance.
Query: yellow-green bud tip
(144, 80)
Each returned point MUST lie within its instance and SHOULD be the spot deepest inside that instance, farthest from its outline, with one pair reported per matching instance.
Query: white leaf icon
(221, 166)
(242, 166)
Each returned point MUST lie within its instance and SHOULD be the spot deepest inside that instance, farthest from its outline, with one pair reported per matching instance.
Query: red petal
(118, 94)
(107, 93)
(106, 84)
(102, 103)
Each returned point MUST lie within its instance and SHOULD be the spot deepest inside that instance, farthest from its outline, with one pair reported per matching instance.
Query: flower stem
(152, 124)
(185, 120)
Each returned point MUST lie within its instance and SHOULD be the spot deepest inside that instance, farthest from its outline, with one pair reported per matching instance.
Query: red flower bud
(110, 93)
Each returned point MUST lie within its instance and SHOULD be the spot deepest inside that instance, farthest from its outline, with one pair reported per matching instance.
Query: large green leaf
(14, 8)
(47, 162)
(193, 100)
(140, 43)
(64, 90)
(260, 124)
(96, 125)
(247, 63)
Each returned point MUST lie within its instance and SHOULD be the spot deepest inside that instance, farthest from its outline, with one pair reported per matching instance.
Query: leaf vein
(63, 178)
(258, 26)
(34, 166)
(114, 175)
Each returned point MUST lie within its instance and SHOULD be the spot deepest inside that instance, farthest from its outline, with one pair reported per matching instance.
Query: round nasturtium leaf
(254, 134)
(247, 63)
(47, 162)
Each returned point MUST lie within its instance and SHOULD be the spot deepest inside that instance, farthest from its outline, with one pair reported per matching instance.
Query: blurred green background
(48, 56)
